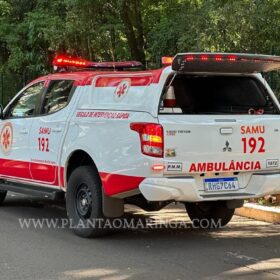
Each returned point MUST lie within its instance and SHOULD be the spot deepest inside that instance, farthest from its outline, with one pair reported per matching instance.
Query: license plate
(221, 184)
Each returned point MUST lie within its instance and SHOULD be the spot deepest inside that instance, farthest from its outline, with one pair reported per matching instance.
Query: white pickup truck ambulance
(203, 131)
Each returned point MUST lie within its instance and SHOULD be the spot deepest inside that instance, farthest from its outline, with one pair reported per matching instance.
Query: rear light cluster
(151, 138)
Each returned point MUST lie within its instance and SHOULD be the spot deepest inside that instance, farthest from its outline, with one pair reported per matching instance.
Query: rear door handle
(57, 129)
(23, 131)
(226, 130)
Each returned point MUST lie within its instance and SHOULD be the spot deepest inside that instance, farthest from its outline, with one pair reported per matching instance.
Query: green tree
(32, 31)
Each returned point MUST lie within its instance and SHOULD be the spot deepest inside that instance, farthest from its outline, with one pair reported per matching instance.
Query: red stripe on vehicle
(61, 176)
(44, 172)
(116, 183)
(41, 173)
(114, 81)
(54, 175)
(15, 168)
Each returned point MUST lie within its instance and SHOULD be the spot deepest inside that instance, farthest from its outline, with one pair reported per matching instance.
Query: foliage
(32, 31)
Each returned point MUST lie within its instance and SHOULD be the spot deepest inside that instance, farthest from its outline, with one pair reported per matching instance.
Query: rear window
(220, 95)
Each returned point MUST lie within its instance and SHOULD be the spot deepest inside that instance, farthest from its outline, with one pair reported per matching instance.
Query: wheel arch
(112, 207)
(75, 159)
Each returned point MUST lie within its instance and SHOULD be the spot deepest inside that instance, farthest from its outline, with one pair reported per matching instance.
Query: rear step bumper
(185, 189)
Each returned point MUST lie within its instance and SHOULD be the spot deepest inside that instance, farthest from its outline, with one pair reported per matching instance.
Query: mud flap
(112, 207)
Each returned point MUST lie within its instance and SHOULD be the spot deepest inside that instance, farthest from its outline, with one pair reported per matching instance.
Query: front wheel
(212, 214)
(2, 196)
(84, 202)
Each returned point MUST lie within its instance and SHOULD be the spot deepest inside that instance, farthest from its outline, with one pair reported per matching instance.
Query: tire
(209, 214)
(84, 202)
(2, 196)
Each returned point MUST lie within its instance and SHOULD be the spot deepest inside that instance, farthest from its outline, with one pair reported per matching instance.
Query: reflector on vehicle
(225, 62)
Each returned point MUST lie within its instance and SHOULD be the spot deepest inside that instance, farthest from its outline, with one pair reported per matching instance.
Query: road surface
(245, 249)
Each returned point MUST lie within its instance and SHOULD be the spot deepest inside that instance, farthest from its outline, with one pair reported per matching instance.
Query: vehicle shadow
(169, 249)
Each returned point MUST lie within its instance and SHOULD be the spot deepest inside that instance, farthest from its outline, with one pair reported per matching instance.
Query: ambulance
(203, 130)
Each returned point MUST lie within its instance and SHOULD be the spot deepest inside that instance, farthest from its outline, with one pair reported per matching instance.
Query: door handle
(226, 130)
(57, 129)
(23, 131)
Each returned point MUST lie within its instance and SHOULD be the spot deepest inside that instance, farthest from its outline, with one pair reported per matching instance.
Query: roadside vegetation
(32, 31)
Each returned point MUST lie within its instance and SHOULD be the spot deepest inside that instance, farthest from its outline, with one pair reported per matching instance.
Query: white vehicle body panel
(98, 123)
(14, 161)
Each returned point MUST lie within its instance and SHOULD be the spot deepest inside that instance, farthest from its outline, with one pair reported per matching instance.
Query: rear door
(221, 144)
(232, 129)
(48, 132)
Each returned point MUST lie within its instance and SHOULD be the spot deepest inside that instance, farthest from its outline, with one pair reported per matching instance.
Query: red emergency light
(228, 57)
(65, 61)
(62, 61)
(166, 60)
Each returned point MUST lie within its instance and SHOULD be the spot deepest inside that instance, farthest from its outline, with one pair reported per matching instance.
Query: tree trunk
(130, 14)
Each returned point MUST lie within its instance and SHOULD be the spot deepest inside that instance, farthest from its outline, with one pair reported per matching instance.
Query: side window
(25, 104)
(57, 96)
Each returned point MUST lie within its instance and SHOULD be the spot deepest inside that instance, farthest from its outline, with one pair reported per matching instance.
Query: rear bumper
(186, 189)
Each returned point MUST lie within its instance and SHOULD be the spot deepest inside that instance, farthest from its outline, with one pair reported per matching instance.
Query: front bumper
(186, 189)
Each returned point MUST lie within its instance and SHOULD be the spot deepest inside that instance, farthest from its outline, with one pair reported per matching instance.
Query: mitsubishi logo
(227, 147)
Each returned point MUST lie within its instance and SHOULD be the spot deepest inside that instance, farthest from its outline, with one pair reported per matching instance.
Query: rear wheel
(2, 196)
(209, 214)
(84, 202)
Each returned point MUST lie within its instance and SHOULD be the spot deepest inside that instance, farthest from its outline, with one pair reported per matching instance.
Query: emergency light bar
(225, 62)
(63, 61)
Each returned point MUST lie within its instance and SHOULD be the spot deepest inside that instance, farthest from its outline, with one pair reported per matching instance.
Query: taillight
(151, 138)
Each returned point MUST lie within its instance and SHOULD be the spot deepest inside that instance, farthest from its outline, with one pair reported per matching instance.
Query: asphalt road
(245, 249)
